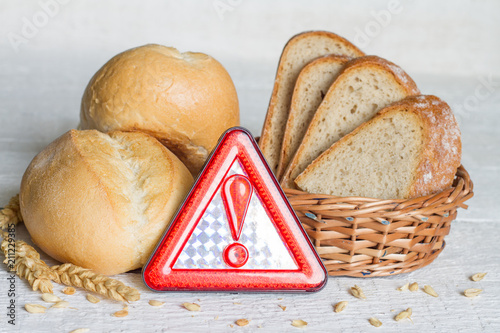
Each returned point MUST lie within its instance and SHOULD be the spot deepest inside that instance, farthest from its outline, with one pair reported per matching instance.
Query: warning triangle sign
(236, 231)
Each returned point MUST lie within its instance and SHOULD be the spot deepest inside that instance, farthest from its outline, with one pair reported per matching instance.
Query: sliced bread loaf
(299, 51)
(365, 86)
(310, 89)
(411, 148)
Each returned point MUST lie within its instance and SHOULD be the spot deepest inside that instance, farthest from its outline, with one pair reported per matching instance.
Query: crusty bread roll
(409, 149)
(102, 201)
(185, 100)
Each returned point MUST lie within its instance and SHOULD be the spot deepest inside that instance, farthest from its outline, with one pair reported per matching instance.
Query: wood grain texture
(468, 251)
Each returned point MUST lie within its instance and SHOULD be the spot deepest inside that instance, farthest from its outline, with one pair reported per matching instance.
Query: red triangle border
(235, 143)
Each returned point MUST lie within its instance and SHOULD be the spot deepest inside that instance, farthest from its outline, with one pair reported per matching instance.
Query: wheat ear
(11, 214)
(19, 256)
(25, 261)
(76, 276)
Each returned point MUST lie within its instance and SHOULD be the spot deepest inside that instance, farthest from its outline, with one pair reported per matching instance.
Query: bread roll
(185, 100)
(102, 201)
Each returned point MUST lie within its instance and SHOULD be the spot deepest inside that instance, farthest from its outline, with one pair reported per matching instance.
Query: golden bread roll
(102, 201)
(185, 100)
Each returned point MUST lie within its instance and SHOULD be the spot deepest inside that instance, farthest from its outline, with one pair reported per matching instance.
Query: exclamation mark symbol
(236, 193)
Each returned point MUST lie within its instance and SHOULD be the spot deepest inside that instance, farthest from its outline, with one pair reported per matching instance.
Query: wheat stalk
(72, 275)
(19, 256)
(11, 213)
(26, 262)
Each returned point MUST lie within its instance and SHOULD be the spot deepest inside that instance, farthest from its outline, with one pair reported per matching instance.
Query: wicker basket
(365, 237)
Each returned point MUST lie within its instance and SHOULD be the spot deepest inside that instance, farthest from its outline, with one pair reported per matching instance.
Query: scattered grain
(299, 323)
(472, 292)
(478, 276)
(60, 305)
(429, 290)
(153, 302)
(50, 298)
(242, 322)
(121, 313)
(403, 314)
(340, 306)
(358, 292)
(405, 287)
(413, 286)
(375, 322)
(92, 299)
(35, 308)
(191, 306)
(69, 290)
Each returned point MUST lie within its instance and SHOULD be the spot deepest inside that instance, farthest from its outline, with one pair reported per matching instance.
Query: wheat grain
(72, 275)
(405, 287)
(35, 308)
(191, 306)
(50, 298)
(478, 276)
(429, 290)
(92, 299)
(80, 330)
(61, 304)
(153, 302)
(69, 290)
(121, 313)
(340, 306)
(472, 292)
(403, 314)
(299, 323)
(375, 322)
(242, 322)
(358, 292)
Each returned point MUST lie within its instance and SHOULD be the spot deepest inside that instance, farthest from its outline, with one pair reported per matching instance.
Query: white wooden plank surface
(452, 53)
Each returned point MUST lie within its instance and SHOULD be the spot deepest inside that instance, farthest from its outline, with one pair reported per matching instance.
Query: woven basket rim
(460, 191)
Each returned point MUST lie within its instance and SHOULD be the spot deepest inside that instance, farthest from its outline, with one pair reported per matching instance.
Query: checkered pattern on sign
(212, 234)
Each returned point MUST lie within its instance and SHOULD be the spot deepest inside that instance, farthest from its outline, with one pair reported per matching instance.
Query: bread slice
(411, 148)
(365, 86)
(299, 51)
(310, 89)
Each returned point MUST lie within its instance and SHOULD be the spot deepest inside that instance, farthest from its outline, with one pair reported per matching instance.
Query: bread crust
(297, 164)
(102, 201)
(186, 100)
(290, 144)
(272, 134)
(440, 151)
